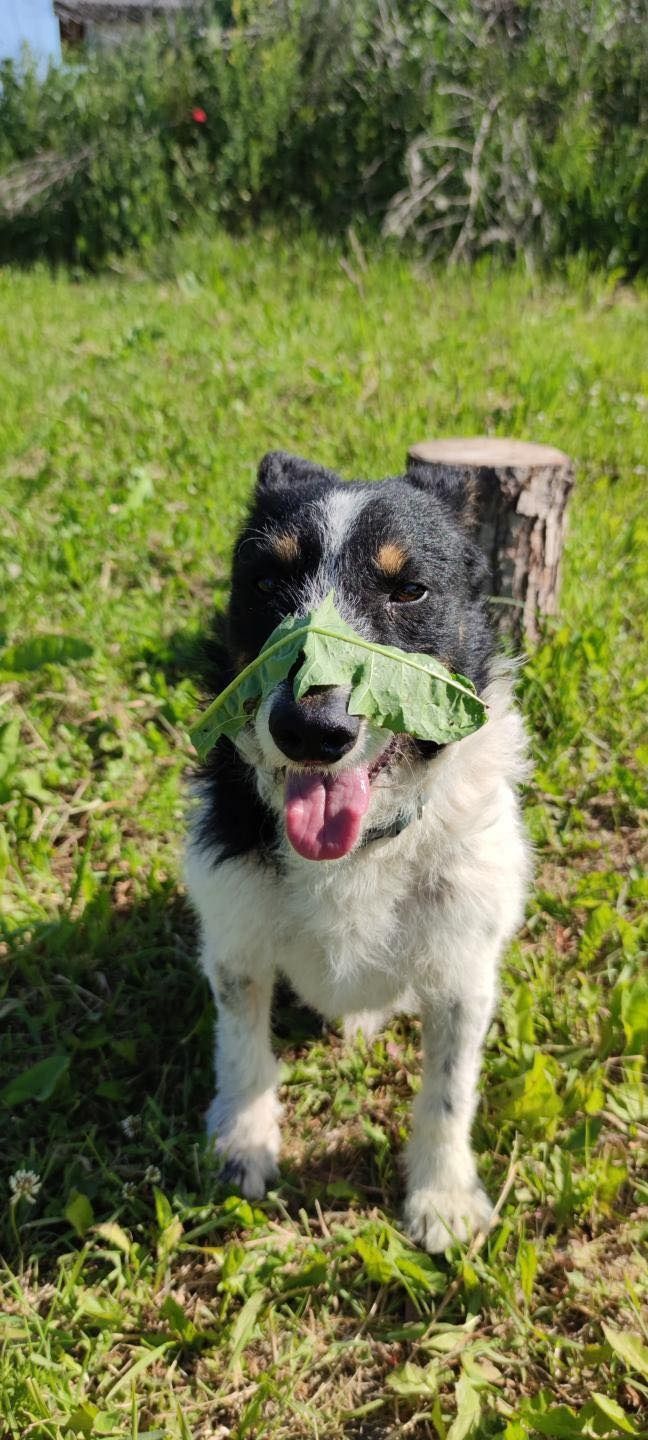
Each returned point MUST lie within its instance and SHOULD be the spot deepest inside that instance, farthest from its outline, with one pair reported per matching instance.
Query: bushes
(510, 124)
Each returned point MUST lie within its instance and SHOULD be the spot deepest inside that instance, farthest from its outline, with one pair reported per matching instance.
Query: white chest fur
(402, 912)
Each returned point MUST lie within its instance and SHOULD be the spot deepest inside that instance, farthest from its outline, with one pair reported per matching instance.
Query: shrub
(510, 124)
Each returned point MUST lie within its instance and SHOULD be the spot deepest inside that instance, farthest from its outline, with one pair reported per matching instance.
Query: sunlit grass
(139, 1299)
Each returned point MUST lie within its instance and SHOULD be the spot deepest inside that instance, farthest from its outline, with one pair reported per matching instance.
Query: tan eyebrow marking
(391, 558)
(285, 546)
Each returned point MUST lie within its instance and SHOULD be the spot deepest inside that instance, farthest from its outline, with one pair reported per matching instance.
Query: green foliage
(137, 1295)
(36, 1083)
(519, 126)
(43, 650)
(399, 690)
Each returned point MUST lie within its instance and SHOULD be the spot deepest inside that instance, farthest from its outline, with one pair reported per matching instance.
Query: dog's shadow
(112, 1008)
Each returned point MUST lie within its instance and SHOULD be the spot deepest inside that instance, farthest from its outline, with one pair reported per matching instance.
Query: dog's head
(405, 572)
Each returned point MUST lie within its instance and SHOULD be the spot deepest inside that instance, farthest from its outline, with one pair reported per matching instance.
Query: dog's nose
(315, 728)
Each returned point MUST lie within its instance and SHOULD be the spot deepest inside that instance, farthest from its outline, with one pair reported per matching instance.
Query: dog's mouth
(386, 757)
(323, 811)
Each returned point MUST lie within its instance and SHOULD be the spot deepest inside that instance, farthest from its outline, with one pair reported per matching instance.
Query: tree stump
(520, 493)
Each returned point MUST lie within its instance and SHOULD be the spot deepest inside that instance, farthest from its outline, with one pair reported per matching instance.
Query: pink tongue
(323, 813)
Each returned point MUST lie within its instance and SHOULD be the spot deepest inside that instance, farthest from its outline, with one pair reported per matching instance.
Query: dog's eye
(407, 593)
(266, 584)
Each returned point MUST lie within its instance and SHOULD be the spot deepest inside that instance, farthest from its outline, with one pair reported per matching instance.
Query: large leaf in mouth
(396, 689)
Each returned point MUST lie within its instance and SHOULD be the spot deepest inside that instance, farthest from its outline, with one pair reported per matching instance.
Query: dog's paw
(435, 1217)
(247, 1142)
(251, 1174)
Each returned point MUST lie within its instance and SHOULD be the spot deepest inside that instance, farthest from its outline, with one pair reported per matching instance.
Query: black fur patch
(234, 820)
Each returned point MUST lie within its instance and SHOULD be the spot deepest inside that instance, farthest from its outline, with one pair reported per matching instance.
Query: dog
(378, 873)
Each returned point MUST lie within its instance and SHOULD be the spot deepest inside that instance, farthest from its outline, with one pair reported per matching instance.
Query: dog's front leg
(444, 1197)
(243, 1118)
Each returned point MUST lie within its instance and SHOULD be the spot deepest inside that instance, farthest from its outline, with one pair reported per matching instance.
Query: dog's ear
(455, 487)
(279, 469)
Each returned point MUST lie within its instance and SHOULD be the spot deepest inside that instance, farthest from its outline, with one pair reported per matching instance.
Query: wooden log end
(487, 452)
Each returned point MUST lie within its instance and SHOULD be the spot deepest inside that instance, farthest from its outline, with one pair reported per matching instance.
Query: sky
(30, 22)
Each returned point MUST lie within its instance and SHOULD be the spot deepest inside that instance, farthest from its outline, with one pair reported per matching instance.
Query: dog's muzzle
(325, 801)
(315, 730)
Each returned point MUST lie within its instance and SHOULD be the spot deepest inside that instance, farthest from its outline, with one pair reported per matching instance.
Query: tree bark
(519, 493)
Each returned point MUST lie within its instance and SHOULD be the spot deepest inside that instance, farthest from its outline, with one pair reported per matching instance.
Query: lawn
(138, 1297)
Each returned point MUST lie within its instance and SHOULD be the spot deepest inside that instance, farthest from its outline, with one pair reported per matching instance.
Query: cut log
(519, 494)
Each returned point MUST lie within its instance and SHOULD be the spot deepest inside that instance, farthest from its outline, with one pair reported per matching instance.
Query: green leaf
(87, 1420)
(413, 1381)
(178, 1320)
(9, 742)
(600, 925)
(341, 1190)
(79, 1213)
(559, 1421)
(482, 1372)
(396, 689)
(422, 1270)
(436, 1416)
(106, 1422)
(532, 1097)
(515, 1430)
(612, 1411)
(634, 1015)
(163, 1211)
(244, 1324)
(44, 650)
(238, 1211)
(170, 1238)
(377, 1264)
(114, 1235)
(448, 1340)
(36, 1083)
(170, 1225)
(314, 1273)
(103, 1309)
(527, 1264)
(520, 1015)
(81, 1420)
(630, 1348)
(468, 1410)
(29, 781)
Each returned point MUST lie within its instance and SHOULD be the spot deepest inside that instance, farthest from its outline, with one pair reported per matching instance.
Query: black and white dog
(423, 861)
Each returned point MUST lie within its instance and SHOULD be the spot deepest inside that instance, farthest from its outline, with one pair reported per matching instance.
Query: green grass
(141, 1301)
